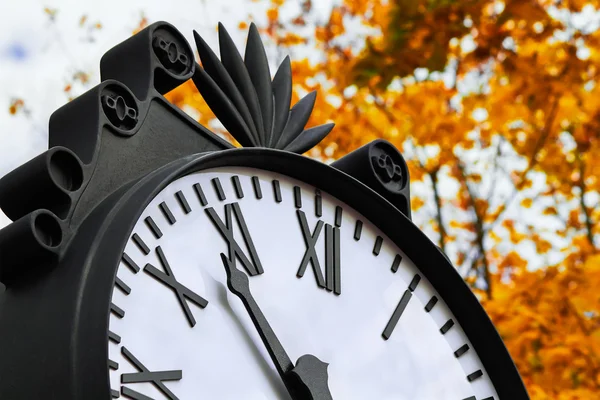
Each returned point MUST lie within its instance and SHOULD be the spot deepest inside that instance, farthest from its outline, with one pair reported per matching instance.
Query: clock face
(328, 282)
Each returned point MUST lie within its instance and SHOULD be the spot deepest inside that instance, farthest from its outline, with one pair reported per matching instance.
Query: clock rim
(112, 223)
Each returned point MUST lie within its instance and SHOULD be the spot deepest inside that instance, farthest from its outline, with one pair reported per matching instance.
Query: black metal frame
(73, 316)
(112, 150)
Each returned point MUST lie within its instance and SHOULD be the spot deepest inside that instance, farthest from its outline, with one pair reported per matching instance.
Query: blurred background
(494, 104)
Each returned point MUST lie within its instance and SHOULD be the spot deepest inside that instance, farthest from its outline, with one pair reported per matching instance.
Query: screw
(118, 112)
(169, 54)
(387, 169)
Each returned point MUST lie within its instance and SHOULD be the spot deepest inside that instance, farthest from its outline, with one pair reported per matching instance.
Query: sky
(40, 51)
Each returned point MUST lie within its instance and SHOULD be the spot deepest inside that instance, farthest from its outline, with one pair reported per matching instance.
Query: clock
(149, 259)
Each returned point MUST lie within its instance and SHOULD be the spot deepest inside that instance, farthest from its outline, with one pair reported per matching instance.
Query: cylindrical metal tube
(45, 182)
(28, 244)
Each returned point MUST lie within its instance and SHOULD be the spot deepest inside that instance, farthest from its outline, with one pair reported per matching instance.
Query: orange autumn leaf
(15, 106)
(526, 203)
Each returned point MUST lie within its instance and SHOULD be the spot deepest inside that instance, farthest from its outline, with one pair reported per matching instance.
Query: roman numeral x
(253, 267)
(183, 293)
(145, 375)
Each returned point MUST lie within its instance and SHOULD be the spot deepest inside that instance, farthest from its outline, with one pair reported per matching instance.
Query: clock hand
(238, 284)
(310, 378)
(305, 381)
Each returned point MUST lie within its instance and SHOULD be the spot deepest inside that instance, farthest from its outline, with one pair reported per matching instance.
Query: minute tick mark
(218, 188)
(130, 263)
(377, 246)
(200, 194)
(297, 197)
(113, 337)
(475, 375)
(122, 285)
(338, 216)
(431, 303)
(118, 311)
(183, 202)
(358, 229)
(277, 190)
(164, 208)
(446, 327)
(461, 350)
(318, 204)
(153, 227)
(140, 244)
(237, 186)
(256, 186)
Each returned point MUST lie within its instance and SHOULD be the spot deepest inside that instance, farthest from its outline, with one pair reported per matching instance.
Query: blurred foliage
(496, 106)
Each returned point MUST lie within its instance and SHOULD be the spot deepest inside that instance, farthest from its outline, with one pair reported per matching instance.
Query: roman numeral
(145, 375)
(253, 267)
(332, 280)
(183, 293)
(389, 328)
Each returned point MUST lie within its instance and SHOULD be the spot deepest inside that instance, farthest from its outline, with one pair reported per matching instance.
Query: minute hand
(238, 283)
(308, 379)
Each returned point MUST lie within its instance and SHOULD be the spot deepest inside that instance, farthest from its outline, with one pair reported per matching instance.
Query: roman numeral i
(332, 280)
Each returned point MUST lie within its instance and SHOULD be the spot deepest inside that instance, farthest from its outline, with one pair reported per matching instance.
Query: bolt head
(388, 166)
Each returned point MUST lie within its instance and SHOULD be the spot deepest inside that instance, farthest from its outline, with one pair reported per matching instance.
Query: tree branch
(438, 206)
(589, 226)
(532, 160)
(479, 231)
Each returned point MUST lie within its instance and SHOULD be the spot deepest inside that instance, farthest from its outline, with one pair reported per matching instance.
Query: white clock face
(360, 305)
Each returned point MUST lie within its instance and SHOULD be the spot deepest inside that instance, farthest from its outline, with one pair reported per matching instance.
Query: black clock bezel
(87, 274)
(434, 266)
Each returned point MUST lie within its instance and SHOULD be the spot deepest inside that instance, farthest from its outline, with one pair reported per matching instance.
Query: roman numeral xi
(332, 280)
(253, 267)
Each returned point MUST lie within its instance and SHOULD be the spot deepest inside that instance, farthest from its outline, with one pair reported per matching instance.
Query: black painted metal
(255, 110)
(29, 247)
(49, 181)
(380, 166)
(115, 147)
(79, 292)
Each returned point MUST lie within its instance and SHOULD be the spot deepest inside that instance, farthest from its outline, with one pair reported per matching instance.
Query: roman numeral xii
(332, 280)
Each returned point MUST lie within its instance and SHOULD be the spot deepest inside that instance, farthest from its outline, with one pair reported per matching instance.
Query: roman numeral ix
(253, 267)
(332, 280)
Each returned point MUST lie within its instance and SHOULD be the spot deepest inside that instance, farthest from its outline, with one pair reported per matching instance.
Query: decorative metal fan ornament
(254, 109)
